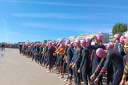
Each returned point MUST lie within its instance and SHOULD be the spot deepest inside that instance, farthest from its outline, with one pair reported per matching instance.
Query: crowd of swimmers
(82, 60)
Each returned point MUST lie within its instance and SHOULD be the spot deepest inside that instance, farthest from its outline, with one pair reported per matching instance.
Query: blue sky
(37, 20)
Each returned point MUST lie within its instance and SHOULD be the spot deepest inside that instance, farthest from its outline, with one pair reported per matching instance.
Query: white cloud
(64, 4)
(52, 15)
(80, 16)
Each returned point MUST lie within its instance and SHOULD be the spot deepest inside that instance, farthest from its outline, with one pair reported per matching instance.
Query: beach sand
(16, 69)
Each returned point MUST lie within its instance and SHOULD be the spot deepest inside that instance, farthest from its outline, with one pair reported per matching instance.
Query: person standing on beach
(20, 48)
(95, 59)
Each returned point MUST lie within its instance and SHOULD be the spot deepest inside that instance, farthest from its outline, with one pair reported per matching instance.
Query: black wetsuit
(70, 52)
(85, 65)
(121, 50)
(45, 52)
(117, 61)
(116, 47)
(51, 50)
(77, 59)
(33, 51)
(37, 53)
(40, 54)
(95, 59)
(20, 48)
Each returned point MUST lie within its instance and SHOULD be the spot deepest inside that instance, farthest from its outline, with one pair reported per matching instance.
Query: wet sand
(16, 69)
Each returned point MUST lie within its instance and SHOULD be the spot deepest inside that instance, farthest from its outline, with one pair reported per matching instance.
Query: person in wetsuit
(20, 48)
(45, 54)
(125, 59)
(95, 59)
(116, 40)
(42, 55)
(61, 56)
(85, 63)
(37, 53)
(70, 52)
(64, 61)
(113, 56)
(51, 50)
(77, 57)
(58, 56)
(125, 74)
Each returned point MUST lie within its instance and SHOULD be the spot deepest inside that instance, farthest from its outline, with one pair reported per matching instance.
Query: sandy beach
(16, 69)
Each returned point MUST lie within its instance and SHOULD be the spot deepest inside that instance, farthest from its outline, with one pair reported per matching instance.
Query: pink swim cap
(77, 41)
(34, 43)
(50, 43)
(37, 44)
(43, 44)
(99, 37)
(112, 45)
(122, 39)
(60, 42)
(117, 36)
(68, 42)
(105, 45)
(100, 52)
(54, 44)
(40, 44)
(72, 44)
(62, 45)
(83, 42)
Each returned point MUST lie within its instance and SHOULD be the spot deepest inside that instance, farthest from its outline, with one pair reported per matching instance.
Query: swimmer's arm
(105, 67)
(98, 69)
(83, 59)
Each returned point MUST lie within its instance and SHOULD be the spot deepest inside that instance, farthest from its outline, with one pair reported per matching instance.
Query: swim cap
(117, 36)
(60, 42)
(62, 45)
(50, 43)
(99, 37)
(43, 44)
(68, 42)
(105, 45)
(34, 43)
(37, 44)
(54, 44)
(100, 52)
(122, 39)
(72, 44)
(77, 41)
(83, 42)
(112, 45)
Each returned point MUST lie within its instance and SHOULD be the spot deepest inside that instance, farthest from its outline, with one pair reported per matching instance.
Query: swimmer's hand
(94, 37)
(96, 80)
(78, 71)
(122, 82)
(92, 76)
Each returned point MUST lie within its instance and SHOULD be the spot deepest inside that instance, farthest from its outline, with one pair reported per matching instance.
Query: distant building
(85, 36)
(111, 37)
